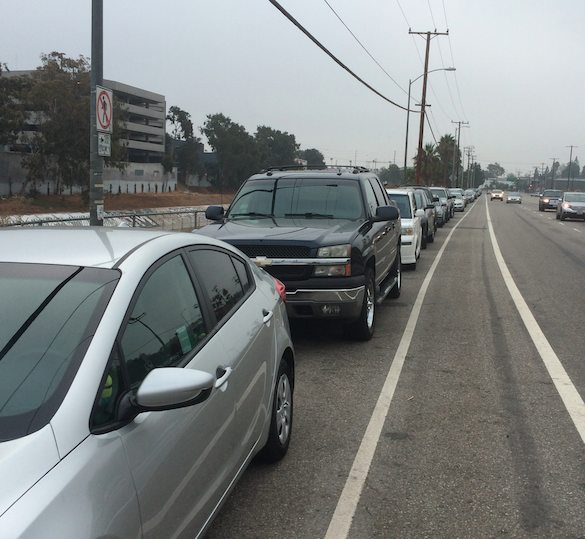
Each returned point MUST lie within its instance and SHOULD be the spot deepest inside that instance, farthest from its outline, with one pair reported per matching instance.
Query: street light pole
(407, 123)
(424, 99)
(408, 112)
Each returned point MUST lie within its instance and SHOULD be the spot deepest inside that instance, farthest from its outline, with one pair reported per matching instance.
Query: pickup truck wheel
(431, 238)
(363, 328)
(397, 272)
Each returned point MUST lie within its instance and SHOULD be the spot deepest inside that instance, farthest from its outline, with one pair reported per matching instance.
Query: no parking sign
(103, 109)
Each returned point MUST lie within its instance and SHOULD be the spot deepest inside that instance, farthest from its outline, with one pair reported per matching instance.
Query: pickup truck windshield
(299, 198)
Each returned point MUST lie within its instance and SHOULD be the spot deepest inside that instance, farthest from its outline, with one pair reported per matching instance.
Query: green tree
(275, 147)
(58, 94)
(313, 157)
(12, 105)
(430, 164)
(478, 175)
(391, 175)
(182, 126)
(236, 149)
(60, 98)
(182, 148)
(446, 147)
(495, 170)
(574, 168)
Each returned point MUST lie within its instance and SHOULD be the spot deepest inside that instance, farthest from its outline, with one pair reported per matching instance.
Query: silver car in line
(140, 372)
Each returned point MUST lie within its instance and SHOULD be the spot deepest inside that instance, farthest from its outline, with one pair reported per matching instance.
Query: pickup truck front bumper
(338, 303)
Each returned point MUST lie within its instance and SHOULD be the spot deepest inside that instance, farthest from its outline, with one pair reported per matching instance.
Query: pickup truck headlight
(335, 251)
(407, 231)
(341, 270)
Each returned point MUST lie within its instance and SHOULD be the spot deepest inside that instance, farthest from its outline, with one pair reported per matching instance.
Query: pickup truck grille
(275, 251)
(290, 273)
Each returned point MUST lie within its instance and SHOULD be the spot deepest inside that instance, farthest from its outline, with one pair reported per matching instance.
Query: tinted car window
(371, 198)
(53, 314)
(403, 203)
(166, 322)
(552, 193)
(379, 192)
(219, 278)
(242, 274)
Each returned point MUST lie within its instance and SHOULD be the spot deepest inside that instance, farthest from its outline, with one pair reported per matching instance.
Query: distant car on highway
(514, 198)
(411, 239)
(140, 373)
(549, 199)
(571, 206)
(497, 194)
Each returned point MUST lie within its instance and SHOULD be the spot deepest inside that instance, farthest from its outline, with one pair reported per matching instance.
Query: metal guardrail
(180, 219)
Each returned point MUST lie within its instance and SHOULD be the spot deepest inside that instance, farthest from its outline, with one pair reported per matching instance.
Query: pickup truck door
(383, 233)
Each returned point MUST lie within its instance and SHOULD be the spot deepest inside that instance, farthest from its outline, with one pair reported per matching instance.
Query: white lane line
(346, 505)
(576, 230)
(567, 391)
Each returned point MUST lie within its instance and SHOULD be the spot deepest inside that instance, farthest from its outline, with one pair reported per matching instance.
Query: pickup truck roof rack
(282, 168)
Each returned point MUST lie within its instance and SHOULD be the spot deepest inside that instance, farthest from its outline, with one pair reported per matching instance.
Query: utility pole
(468, 150)
(570, 163)
(424, 98)
(96, 163)
(458, 128)
(407, 122)
(552, 172)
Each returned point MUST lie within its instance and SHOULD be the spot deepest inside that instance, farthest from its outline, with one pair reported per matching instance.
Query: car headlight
(341, 270)
(407, 231)
(335, 251)
(545, 200)
(566, 205)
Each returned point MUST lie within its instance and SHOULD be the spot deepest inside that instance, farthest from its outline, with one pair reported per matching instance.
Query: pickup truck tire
(363, 328)
(397, 272)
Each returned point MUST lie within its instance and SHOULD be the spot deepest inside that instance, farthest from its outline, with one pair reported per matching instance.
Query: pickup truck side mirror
(387, 213)
(419, 213)
(435, 199)
(214, 213)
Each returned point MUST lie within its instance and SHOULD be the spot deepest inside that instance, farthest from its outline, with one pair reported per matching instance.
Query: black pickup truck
(330, 235)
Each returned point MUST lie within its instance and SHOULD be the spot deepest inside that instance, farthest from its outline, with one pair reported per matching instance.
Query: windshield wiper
(251, 214)
(309, 215)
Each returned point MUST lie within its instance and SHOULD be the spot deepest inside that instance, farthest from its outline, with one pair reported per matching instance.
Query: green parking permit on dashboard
(184, 339)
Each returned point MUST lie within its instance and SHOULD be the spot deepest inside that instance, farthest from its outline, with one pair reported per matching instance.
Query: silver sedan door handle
(267, 316)
(224, 373)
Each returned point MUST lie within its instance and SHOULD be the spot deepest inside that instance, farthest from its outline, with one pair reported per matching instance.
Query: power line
(364, 47)
(332, 56)
(453, 60)
(442, 59)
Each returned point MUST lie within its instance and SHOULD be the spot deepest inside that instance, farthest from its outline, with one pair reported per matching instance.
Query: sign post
(96, 162)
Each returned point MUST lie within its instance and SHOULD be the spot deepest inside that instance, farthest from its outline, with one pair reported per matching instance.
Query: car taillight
(281, 289)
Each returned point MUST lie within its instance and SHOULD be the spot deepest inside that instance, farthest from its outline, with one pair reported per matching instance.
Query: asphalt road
(476, 441)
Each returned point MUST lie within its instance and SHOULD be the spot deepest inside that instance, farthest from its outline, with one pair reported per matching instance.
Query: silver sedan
(140, 372)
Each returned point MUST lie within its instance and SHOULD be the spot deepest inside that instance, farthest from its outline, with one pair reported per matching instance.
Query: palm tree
(445, 149)
(430, 164)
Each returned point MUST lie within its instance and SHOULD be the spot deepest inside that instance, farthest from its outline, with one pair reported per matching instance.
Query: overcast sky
(519, 79)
